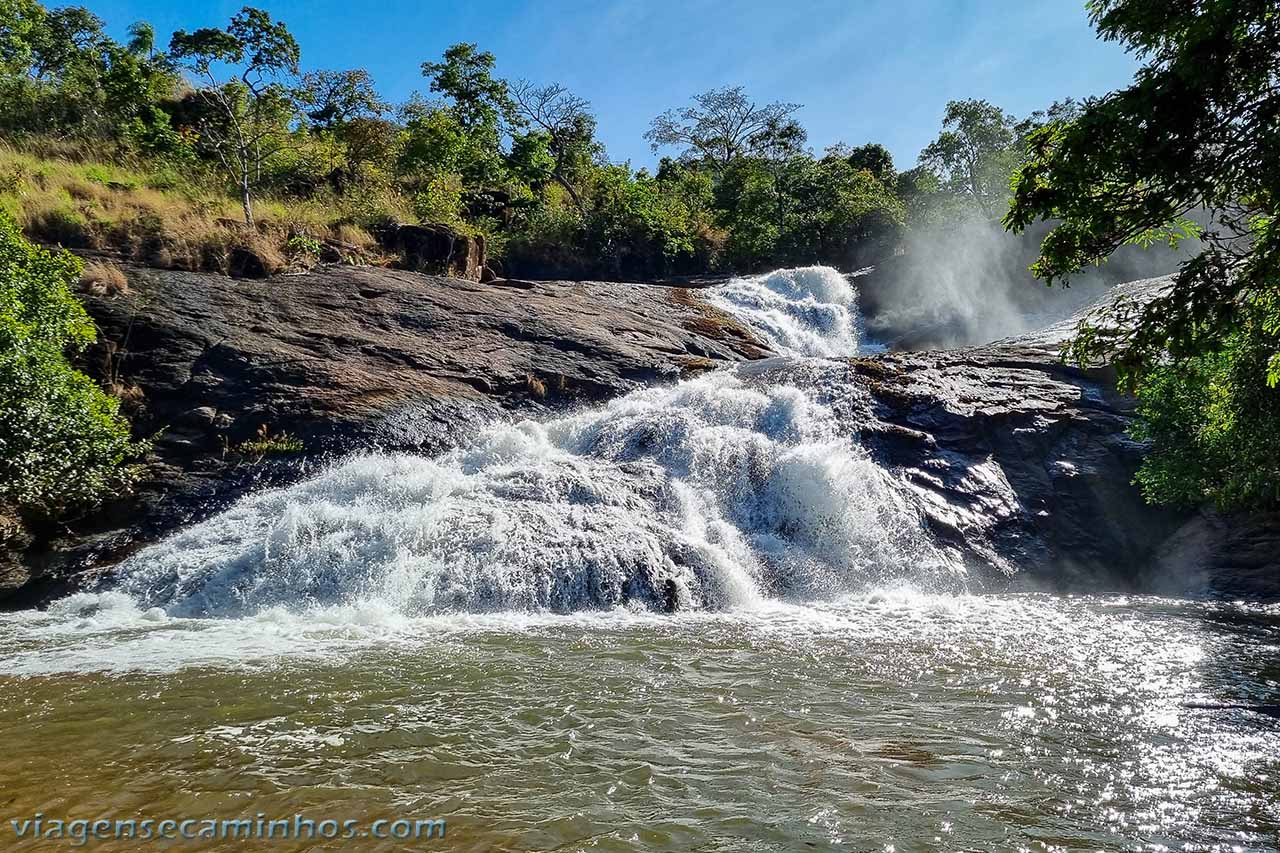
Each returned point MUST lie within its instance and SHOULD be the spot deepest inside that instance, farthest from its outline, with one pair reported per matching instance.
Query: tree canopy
(1197, 131)
(720, 126)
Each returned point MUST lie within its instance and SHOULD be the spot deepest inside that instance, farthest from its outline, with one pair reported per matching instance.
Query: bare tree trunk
(244, 193)
(573, 194)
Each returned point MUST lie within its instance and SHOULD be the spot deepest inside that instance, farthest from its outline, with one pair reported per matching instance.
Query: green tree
(1197, 129)
(975, 154)
(63, 75)
(1212, 424)
(54, 61)
(466, 133)
(436, 142)
(752, 210)
(334, 98)
(839, 214)
(874, 158)
(633, 227)
(63, 443)
(569, 127)
(719, 127)
(142, 40)
(479, 100)
(63, 40)
(254, 106)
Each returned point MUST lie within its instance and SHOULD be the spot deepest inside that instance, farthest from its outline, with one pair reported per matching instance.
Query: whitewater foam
(724, 492)
(713, 493)
(808, 311)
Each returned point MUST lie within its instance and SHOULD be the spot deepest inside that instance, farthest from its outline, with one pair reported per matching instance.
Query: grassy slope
(160, 216)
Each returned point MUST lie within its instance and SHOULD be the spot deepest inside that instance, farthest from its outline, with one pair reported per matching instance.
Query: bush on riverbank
(63, 444)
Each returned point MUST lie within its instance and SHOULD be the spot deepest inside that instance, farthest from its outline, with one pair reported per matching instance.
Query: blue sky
(865, 70)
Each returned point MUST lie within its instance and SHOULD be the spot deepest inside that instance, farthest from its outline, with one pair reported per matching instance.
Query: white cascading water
(808, 311)
(711, 493)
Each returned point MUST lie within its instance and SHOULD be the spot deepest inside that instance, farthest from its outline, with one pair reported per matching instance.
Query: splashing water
(810, 311)
(390, 636)
(714, 493)
(711, 493)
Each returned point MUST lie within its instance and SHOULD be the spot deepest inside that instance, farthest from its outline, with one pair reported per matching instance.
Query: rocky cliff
(1022, 464)
(247, 382)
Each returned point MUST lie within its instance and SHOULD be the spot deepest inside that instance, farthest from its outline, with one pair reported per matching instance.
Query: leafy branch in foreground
(1198, 131)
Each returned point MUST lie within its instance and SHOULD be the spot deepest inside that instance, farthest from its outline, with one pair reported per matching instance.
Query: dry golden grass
(356, 236)
(102, 278)
(131, 397)
(157, 218)
(535, 386)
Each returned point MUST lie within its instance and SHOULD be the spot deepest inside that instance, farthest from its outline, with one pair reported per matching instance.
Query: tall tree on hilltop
(480, 100)
(975, 153)
(718, 127)
(252, 109)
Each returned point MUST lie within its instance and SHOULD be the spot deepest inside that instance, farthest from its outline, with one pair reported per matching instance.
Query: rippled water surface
(382, 641)
(895, 719)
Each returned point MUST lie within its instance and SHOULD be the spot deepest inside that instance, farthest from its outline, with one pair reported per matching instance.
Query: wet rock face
(231, 375)
(347, 354)
(15, 539)
(1020, 464)
(1023, 462)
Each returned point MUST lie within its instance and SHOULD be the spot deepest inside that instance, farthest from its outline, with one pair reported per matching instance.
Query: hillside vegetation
(154, 148)
(195, 151)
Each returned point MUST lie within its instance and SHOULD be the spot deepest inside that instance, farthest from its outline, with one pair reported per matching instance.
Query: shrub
(1211, 423)
(265, 443)
(302, 245)
(63, 443)
(100, 278)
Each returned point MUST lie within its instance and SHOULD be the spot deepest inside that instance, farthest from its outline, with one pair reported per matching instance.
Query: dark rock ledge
(1022, 464)
(339, 358)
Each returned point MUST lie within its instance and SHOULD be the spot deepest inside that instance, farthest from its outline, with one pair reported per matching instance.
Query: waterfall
(810, 311)
(712, 493)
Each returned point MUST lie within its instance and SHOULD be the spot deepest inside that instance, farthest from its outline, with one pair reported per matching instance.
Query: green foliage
(437, 142)
(873, 158)
(1197, 129)
(563, 124)
(1211, 421)
(975, 154)
(334, 98)
(801, 209)
(60, 74)
(439, 199)
(265, 443)
(633, 227)
(518, 162)
(479, 100)
(301, 244)
(63, 444)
